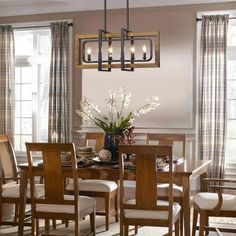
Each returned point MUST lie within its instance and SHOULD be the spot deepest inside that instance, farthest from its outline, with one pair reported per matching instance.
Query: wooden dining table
(183, 171)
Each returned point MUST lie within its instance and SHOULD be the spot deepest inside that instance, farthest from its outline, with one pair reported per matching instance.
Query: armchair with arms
(214, 202)
(10, 184)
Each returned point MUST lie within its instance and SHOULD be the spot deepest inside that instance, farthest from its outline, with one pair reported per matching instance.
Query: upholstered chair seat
(12, 190)
(101, 189)
(148, 214)
(162, 190)
(95, 185)
(86, 206)
(208, 201)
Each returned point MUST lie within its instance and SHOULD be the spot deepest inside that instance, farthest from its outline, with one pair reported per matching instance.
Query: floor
(114, 229)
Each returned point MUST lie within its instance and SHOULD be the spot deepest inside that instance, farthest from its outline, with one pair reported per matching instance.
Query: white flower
(125, 98)
(116, 121)
(152, 104)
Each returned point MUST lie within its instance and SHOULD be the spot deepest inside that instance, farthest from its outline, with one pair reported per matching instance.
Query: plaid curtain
(7, 79)
(58, 124)
(212, 92)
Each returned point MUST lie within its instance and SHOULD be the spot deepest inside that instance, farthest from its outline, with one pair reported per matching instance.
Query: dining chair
(172, 140)
(169, 139)
(104, 189)
(145, 209)
(218, 201)
(97, 138)
(10, 185)
(55, 204)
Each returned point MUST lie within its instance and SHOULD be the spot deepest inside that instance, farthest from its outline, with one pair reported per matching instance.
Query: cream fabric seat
(99, 189)
(208, 201)
(162, 189)
(13, 190)
(146, 214)
(95, 185)
(86, 206)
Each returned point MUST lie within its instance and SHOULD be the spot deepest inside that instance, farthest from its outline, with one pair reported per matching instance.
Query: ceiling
(26, 7)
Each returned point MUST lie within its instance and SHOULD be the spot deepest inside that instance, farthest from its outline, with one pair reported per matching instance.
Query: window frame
(38, 60)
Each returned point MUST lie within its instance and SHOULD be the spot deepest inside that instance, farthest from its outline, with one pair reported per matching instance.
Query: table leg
(23, 192)
(186, 205)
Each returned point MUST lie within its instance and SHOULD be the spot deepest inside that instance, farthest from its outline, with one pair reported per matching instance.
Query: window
(32, 49)
(231, 99)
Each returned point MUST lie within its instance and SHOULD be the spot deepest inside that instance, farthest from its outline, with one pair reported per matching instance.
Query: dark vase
(111, 144)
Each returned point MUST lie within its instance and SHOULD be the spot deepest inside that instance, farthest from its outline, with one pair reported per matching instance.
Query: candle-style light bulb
(144, 48)
(89, 51)
(132, 50)
(110, 51)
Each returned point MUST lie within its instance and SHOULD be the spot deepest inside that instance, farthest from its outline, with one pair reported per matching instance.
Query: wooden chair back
(53, 172)
(146, 176)
(7, 157)
(98, 138)
(169, 139)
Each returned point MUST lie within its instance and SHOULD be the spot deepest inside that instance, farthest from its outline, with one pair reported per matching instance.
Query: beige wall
(174, 82)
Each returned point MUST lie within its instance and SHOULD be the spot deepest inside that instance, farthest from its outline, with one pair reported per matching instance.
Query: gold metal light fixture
(127, 50)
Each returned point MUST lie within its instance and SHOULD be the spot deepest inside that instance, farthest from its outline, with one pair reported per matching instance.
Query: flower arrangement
(117, 120)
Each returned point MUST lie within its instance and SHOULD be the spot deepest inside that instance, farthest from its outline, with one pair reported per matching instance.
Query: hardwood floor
(114, 229)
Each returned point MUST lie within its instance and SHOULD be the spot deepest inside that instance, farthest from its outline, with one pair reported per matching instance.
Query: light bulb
(89, 50)
(132, 49)
(110, 50)
(144, 48)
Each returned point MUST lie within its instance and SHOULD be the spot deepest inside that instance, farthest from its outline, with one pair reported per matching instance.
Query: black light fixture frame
(126, 63)
(113, 39)
(101, 35)
(124, 34)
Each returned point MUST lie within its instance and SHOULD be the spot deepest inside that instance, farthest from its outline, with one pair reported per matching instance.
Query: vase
(111, 144)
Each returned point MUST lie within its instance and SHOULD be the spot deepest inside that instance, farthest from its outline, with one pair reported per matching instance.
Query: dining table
(184, 171)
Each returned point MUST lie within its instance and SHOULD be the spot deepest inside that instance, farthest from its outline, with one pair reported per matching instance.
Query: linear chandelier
(127, 50)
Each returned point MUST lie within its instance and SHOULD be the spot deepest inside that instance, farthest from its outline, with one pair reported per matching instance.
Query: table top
(185, 167)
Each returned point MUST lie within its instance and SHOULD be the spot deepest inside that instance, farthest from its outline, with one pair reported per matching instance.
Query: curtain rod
(230, 18)
(37, 26)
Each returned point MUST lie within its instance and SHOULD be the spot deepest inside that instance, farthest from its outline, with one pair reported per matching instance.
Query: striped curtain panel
(58, 123)
(7, 80)
(212, 92)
